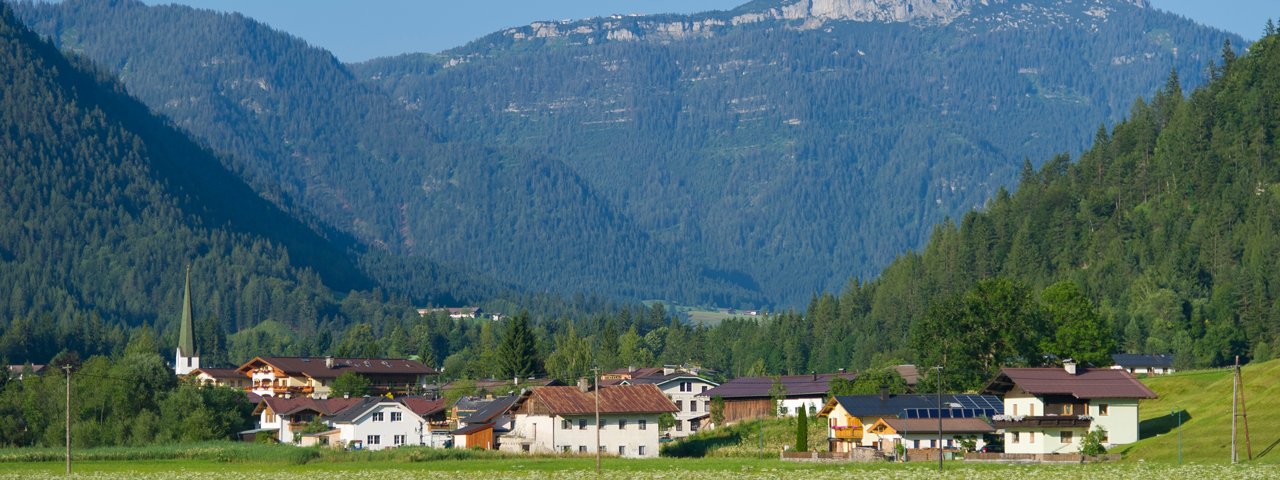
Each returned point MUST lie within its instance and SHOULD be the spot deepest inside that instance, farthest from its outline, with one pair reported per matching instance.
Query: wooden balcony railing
(847, 433)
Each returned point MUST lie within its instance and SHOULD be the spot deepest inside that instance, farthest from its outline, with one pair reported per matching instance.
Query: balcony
(847, 433)
(1065, 421)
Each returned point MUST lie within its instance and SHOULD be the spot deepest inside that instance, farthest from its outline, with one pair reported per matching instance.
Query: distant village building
(372, 423)
(453, 312)
(484, 423)
(220, 377)
(1049, 410)
(750, 397)
(850, 419)
(314, 376)
(19, 372)
(1143, 364)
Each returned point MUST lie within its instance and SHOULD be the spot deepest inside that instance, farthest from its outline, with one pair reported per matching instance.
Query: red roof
(422, 406)
(1085, 384)
(613, 399)
(289, 406)
(317, 367)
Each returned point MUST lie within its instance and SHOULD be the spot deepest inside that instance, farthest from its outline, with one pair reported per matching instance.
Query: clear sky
(360, 30)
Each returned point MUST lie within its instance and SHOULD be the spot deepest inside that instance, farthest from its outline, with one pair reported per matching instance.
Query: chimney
(842, 371)
(328, 361)
(515, 381)
(815, 375)
(1070, 366)
(583, 385)
(884, 393)
(631, 368)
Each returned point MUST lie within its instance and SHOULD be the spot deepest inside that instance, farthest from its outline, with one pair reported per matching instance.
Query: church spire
(187, 359)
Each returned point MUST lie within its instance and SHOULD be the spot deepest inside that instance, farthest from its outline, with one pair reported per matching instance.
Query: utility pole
(67, 369)
(596, 372)
(939, 369)
(1244, 411)
(1178, 410)
(1235, 379)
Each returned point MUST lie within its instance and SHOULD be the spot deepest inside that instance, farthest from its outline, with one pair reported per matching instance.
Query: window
(686, 386)
(582, 449)
(1064, 436)
(398, 439)
(1014, 437)
(1033, 409)
(582, 425)
(271, 418)
(377, 416)
(644, 424)
(783, 411)
(693, 405)
(396, 416)
(679, 405)
(622, 450)
(373, 440)
(564, 424)
(567, 449)
(622, 424)
(704, 388)
(524, 448)
(1015, 409)
(1102, 409)
(706, 406)
(1031, 437)
(641, 450)
(679, 427)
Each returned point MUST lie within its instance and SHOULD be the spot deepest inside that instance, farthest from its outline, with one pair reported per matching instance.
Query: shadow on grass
(699, 444)
(1161, 425)
(1267, 450)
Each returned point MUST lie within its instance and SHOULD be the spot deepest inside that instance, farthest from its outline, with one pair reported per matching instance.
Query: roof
(630, 372)
(949, 425)
(663, 379)
(1138, 360)
(366, 404)
(613, 399)
(423, 407)
(326, 407)
(315, 367)
(220, 372)
(920, 405)
(472, 428)
(490, 410)
(758, 387)
(909, 373)
(1086, 384)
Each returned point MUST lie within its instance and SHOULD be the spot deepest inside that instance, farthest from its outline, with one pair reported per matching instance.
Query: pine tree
(802, 430)
(518, 352)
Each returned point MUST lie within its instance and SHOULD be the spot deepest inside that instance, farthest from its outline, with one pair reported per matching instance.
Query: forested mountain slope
(103, 204)
(303, 129)
(790, 145)
(1168, 223)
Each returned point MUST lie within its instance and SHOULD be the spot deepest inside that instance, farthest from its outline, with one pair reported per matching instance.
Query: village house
(1049, 410)
(453, 312)
(850, 417)
(922, 433)
(685, 388)
(314, 376)
(286, 418)
(750, 397)
(374, 424)
(563, 420)
(19, 372)
(1143, 364)
(484, 423)
(219, 377)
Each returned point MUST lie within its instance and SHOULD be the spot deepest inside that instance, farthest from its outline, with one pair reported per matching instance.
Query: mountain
(792, 145)
(306, 132)
(103, 204)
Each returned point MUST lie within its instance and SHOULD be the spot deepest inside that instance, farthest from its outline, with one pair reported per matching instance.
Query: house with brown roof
(313, 376)
(563, 419)
(221, 377)
(684, 387)
(749, 397)
(1048, 410)
(287, 417)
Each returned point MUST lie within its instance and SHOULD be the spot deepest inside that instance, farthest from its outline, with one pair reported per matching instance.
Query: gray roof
(1139, 360)
(490, 410)
(796, 386)
(355, 411)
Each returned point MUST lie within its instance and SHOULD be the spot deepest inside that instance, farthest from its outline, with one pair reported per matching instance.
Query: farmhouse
(684, 388)
(308, 376)
(750, 397)
(1048, 410)
(1143, 364)
(850, 418)
(220, 377)
(288, 417)
(563, 419)
(483, 425)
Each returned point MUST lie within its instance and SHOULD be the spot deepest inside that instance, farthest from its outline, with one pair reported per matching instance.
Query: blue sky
(356, 31)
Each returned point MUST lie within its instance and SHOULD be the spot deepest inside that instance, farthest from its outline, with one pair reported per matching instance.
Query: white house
(686, 390)
(563, 419)
(378, 423)
(1143, 364)
(913, 433)
(1049, 410)
(287, 417)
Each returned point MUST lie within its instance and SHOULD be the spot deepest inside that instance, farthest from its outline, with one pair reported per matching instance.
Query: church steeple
(187, 357)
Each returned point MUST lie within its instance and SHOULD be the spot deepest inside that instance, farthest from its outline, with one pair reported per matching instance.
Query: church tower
(188, 359)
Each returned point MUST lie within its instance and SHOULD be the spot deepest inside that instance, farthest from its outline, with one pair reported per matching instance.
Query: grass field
(1204, 398)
